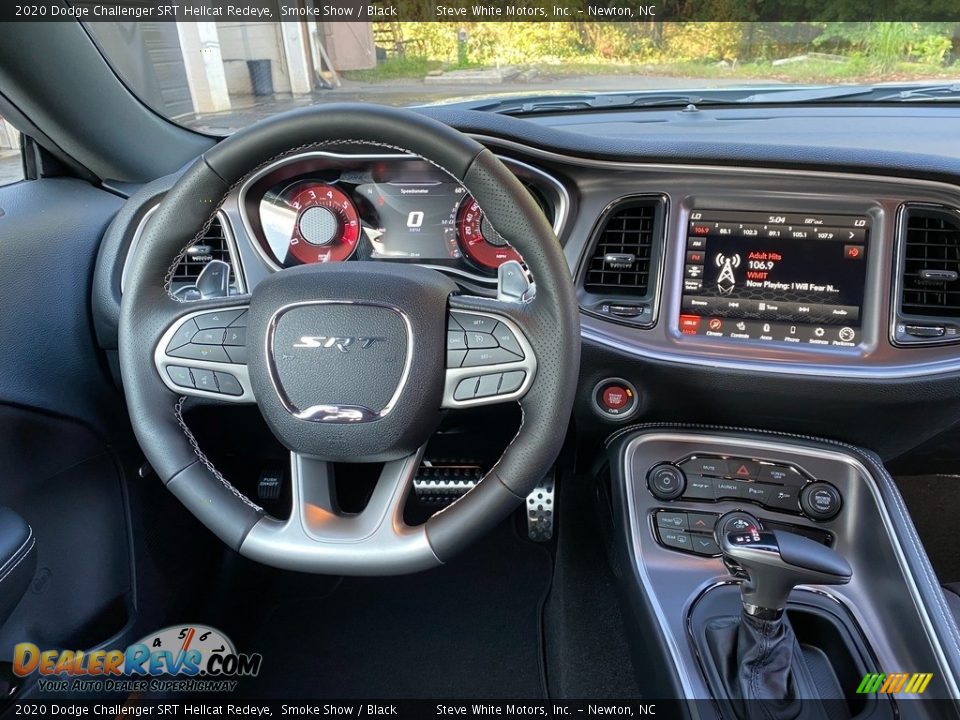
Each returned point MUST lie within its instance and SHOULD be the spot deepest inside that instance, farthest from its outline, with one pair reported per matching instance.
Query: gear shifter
(772, 563)
(759, 660)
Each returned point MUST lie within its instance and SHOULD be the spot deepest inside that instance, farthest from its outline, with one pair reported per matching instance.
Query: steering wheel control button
(488, 385)
(180, 376)
(183, 335)
(512, 381)
(211, 353)
(475, 323)
(209, 337)
(237, 355)
(821, 500)
(480, 340)
(467, 389)
(219, 319)
(205, 380)
(455, 358)
(235, 336)
(492, 356)
(507, 340)
(228, 384)
(456, 340)
(615, 398)
(666, 481)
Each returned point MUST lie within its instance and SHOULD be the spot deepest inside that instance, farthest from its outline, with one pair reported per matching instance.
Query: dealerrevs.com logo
(181, 658)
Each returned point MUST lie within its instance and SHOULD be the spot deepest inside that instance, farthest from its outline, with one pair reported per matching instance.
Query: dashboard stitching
(178, 413)
(168, 279)
(939, 601)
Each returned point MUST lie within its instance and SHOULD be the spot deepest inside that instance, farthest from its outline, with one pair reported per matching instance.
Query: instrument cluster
(320, 208)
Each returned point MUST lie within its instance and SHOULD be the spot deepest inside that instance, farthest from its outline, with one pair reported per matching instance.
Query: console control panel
(698, 533)
(776, 486)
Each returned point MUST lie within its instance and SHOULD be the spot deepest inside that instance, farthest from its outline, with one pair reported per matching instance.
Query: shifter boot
(766, 653)
(762, 669)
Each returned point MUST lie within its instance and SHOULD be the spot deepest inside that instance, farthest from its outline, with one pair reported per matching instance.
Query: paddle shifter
(773, 562)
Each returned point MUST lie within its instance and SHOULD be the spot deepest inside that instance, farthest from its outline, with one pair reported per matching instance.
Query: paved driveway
(11, 168)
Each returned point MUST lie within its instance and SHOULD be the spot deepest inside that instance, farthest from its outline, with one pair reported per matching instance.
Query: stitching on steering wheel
(168, 279)
(178, 413)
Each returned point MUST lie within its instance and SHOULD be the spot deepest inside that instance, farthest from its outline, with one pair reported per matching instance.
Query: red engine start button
(617, 397)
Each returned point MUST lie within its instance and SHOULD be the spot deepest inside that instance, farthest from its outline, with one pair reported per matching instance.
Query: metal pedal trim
(540, 510)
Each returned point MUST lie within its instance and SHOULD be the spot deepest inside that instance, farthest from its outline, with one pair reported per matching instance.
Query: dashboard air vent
(622, 257)
(928, 307)
(213, 246)
(620, 278)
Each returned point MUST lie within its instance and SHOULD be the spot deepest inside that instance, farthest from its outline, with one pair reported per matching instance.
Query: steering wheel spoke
(489, 359)
(319, 537)
(204, 354)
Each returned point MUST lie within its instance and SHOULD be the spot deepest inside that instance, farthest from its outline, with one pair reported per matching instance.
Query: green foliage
(858, 49)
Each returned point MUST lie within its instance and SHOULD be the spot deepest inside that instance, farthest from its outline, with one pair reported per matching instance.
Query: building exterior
(202, 67)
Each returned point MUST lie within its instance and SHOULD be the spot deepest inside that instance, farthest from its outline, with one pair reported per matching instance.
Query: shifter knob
(774, 562)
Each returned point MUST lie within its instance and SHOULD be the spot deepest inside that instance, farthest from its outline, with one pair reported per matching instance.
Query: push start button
(615, 398)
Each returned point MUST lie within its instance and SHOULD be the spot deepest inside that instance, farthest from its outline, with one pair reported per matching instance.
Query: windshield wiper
(927, 92)
(565, 103)
(807, 95)
(528, 105)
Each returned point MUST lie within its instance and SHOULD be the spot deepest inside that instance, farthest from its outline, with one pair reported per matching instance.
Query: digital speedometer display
(417, 219)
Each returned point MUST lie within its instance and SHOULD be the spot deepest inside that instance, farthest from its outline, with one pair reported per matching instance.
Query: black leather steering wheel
(383, 330)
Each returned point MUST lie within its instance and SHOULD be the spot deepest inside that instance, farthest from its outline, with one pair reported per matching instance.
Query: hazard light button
(743, 469)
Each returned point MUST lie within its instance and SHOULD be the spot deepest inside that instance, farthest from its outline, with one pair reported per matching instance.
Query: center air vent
(929, 301)
(620, 277)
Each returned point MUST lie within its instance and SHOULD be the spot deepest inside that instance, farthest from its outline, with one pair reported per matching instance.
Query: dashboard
(783, 283)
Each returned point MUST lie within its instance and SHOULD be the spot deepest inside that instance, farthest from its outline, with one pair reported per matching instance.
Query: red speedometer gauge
(327, 226)
(483, 245)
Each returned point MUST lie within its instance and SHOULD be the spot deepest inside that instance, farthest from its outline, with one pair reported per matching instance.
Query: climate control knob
(666, 481)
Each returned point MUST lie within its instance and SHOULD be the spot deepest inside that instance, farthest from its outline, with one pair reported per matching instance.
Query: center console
(864, 598)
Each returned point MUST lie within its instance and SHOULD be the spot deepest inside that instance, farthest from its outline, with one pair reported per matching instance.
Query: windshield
(220, 76)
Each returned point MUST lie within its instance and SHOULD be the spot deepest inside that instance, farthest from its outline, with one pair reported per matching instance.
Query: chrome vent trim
(224, 247)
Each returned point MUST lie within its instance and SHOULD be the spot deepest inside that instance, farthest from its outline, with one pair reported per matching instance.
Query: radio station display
(789, 278)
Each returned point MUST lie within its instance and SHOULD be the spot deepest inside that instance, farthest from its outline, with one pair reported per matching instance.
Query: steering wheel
(379, 332)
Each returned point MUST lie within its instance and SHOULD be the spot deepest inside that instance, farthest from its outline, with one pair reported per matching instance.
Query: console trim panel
(694, 575)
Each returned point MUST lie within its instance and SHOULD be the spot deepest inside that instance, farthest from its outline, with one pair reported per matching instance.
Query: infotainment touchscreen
(791, 278)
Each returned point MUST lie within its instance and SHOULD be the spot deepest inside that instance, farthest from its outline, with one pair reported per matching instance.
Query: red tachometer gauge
(327, 227)
(483, 245)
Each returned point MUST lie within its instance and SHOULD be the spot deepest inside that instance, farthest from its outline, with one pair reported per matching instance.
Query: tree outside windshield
(220, 76)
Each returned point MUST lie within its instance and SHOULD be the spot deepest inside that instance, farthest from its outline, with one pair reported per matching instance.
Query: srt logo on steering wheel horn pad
(343, 344)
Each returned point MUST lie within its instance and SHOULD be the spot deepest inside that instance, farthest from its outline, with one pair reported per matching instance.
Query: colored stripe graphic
(894, 683)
